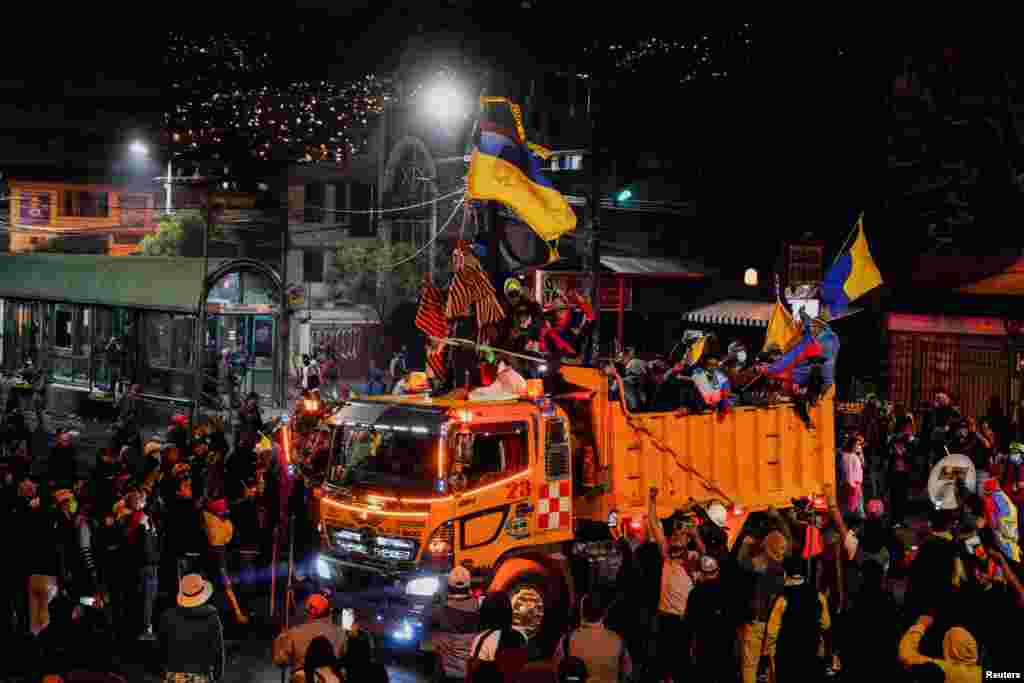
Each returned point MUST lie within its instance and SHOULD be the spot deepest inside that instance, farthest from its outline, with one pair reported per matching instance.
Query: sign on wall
(558, 285)
(35, 208)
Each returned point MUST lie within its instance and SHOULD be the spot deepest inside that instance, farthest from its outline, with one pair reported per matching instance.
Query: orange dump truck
(523, 492)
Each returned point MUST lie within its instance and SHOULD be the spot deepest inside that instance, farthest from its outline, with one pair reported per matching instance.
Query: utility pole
(285, 341)
(594, 204)
(199, 349)
(169, 207)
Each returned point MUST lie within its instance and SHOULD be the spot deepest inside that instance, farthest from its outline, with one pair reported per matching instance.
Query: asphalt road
(248, 649)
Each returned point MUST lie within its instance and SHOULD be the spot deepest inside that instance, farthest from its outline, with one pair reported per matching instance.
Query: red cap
(317, 605)
(218, 506)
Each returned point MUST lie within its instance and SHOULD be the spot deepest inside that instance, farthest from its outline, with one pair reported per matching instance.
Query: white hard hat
(718, 514)
(459, 579)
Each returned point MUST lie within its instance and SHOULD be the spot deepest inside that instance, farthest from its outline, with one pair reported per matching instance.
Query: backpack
(507, 662)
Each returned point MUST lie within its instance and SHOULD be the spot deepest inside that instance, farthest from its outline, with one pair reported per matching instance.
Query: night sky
(784, 129)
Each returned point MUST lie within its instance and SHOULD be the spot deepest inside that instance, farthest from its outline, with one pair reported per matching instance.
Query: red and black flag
(430, 317)
(431, 320)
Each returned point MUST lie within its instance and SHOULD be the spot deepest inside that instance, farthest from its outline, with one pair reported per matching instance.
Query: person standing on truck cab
(676, 584)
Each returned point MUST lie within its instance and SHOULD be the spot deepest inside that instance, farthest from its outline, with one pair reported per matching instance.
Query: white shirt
(676, 585)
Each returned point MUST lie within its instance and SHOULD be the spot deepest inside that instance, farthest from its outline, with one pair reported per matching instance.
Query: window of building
(805, 264)
(21, 333)
(314, 204)
(109, 330)
(313, 266)
(86, 204)
(168, 348)
(68, 331)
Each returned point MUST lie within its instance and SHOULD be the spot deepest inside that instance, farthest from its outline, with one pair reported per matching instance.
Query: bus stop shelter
(95, 323)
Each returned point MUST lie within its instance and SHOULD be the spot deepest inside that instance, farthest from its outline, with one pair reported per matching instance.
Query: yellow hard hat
(513, 285)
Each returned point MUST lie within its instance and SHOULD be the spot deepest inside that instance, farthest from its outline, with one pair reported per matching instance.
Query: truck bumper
(379, 603)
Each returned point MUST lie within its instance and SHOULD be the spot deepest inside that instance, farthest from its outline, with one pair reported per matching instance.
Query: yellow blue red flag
(505, 168)
(783, 331)
(853, 275)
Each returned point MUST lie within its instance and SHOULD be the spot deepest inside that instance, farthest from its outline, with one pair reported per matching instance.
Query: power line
(430, 241)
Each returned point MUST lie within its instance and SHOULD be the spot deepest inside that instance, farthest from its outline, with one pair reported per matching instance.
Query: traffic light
(624, 195)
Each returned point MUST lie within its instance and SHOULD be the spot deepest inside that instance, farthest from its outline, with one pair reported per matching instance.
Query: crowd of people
(161, 540)
(138, 546)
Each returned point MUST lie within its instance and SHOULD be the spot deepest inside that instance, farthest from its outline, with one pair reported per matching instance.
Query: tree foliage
(368, 274)
(179, 234)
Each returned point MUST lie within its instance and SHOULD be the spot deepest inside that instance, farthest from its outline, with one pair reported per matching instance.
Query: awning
(643, 265)
(1010, 282)
(744, 313)
(733, 312)
(163, 284)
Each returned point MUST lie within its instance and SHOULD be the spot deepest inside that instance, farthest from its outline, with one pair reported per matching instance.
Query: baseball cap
(317, 605)
(459, 580)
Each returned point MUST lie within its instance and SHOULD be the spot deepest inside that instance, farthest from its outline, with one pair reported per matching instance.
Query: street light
(139, 149)
(445, 101)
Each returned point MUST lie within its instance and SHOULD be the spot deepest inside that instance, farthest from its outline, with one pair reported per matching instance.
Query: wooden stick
(466, 343)
(273, 571)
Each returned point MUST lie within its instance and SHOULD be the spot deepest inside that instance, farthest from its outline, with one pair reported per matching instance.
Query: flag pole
(859, 222)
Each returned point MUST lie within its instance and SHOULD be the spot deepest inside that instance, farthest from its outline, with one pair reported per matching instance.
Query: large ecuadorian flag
(505, 169)
(853, 275)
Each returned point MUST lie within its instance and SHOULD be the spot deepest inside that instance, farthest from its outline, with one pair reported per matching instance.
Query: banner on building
(35, 208)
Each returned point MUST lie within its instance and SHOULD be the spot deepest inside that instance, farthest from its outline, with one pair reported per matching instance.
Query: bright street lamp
(444, 101)
(139, 149)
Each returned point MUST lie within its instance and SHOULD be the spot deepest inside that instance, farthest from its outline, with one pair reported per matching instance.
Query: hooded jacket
(959, 653)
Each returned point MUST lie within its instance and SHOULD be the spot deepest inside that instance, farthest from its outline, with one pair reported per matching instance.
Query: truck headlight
(404, 633)
(323, 569)
(423, 587)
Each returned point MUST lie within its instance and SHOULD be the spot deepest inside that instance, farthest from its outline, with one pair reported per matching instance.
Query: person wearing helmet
(290, 647)
(453, 626)
(523, 318)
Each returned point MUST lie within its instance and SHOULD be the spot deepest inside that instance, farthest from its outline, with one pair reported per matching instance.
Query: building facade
(116, 217)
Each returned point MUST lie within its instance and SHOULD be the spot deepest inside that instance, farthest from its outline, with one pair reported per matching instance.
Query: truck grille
(387, 549)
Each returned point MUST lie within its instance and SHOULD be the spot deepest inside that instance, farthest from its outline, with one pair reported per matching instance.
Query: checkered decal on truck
(554, 509)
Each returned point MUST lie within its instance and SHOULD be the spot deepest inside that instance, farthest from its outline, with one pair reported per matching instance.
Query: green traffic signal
(625, 195)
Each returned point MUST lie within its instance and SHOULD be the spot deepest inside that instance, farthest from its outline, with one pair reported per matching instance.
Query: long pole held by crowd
(594, 204)
(289, 595)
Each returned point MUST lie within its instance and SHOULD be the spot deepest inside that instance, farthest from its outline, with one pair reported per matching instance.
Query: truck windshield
(403, 461)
